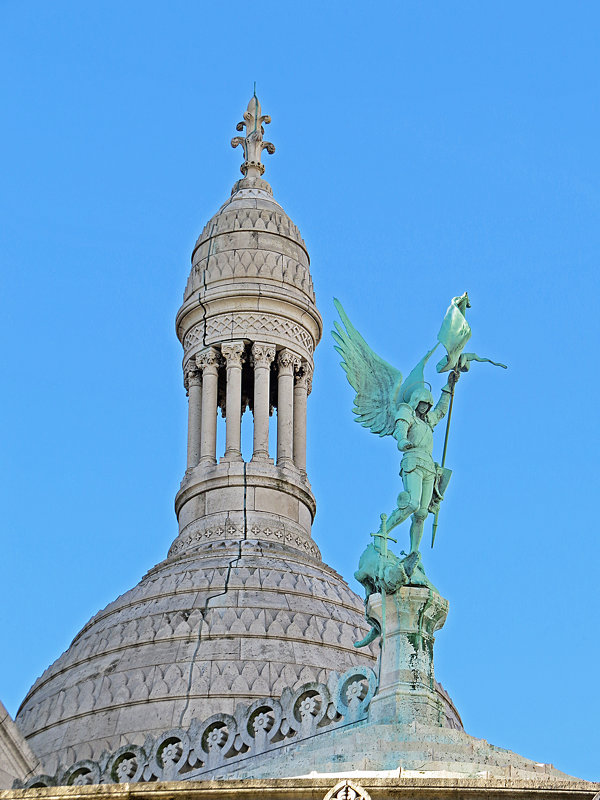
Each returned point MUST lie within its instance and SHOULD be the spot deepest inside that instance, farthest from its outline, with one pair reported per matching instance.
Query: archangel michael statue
(406, 410)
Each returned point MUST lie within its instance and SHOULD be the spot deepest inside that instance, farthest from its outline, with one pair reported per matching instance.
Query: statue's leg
(420, 515)
(408, 500)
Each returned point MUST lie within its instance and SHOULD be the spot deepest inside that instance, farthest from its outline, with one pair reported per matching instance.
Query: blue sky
(424, 149)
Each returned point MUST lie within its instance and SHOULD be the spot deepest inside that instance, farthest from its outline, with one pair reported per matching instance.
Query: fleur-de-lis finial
(252, 143)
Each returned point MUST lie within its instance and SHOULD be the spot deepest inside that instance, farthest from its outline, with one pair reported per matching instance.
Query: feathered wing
(375, 382)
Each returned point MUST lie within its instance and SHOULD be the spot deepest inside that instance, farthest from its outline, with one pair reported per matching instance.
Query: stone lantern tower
(243, 606)
(249, 326)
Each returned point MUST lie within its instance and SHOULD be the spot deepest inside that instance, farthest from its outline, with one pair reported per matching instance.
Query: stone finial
(252, 143)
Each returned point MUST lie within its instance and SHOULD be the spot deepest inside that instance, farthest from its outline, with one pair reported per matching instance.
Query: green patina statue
(389, 406)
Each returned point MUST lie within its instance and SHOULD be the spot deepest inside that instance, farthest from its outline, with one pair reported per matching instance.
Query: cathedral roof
(251, 237)
(243, 607)
(194, 637)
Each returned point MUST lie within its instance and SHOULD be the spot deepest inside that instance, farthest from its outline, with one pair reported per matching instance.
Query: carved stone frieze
(251, 219)
(191, 539)
(249, 263)
(221, 740)
(347, 790)
(249, 325)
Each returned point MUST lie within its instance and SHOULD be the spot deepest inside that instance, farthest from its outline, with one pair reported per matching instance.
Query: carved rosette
(206, 531)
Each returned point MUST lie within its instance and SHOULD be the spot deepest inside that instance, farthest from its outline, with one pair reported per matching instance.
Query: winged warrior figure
(405, 410)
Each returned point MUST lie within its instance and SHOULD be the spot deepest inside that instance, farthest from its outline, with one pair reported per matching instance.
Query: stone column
(193, 384)
(262, 357)
(286, 362)
(233, 352)
(406, 689)
(208, 362)
(302, 386)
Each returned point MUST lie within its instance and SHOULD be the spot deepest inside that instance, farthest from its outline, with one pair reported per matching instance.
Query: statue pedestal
(406, 690)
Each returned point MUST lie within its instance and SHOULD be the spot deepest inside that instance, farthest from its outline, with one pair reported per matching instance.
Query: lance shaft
(437, 513)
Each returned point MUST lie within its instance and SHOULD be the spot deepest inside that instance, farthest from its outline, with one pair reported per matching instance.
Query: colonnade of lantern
(293, 377)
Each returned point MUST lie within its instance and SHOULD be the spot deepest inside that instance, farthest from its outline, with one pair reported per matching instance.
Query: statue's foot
(411, 561)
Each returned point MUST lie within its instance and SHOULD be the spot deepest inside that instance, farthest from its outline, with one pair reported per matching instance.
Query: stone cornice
(238, 298)
(315, 788)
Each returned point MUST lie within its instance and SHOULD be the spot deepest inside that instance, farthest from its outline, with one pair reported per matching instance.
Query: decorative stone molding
(248, 325)
(265, 726)
(250, 219)
(245, 263)
(189, 540)
(251, 185)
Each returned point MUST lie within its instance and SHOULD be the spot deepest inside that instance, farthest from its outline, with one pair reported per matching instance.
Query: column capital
(208, 358)
(191, 375)
(233, 353)
(262, 354)
(303, 376)
(287, 360)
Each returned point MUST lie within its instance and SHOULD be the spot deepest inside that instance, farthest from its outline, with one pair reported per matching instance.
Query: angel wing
(375, 382)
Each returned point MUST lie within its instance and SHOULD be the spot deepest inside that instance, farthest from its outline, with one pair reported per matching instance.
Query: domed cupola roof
(243, 605)
(250, 250)
(249, 237)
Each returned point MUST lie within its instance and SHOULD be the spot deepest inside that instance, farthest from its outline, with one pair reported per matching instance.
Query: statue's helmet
(420, 395)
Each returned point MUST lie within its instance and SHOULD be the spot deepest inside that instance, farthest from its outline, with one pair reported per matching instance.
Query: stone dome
(197, 635)
(274, 249)
(250, 250)
(243, 606)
